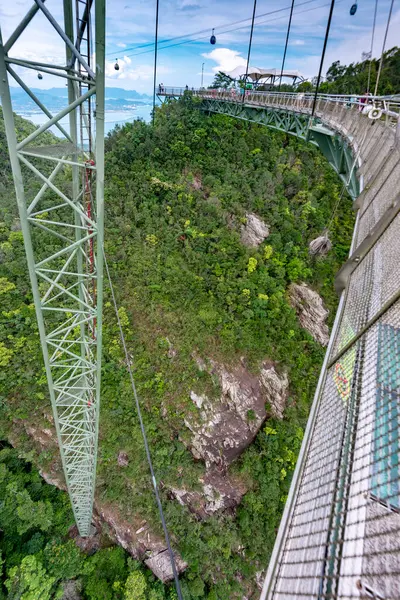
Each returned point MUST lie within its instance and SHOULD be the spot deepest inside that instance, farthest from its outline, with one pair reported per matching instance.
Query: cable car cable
(321, 64)
(155, 62)
(178, 37)
(222, 32)
(143, 430)
(249, 51)
(243, 27)
(372, 45)
(383, 49)
(286, 45)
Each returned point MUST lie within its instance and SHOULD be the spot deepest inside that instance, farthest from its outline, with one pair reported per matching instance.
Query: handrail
(298, 101)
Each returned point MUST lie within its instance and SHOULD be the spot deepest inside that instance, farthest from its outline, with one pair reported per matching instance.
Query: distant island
(54, 99)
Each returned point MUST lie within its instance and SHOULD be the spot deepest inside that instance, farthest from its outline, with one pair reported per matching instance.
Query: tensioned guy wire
(143, 430)
(188, 41)
(155, 62)
(383, 49)
(321, 64)
(249, 52)
(372, 45)
(286, 45)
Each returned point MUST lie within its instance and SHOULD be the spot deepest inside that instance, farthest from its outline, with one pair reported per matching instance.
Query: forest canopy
(344, 79)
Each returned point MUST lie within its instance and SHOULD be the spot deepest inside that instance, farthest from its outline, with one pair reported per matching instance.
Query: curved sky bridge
(338, 126)
(340, 533)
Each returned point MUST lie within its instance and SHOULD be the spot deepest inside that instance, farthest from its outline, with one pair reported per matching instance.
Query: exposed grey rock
(219, 493)
(224, 427)
(197, 399)
(276, 387)
(254, 232)
(123, 459)
(129, 531)
(311, 311)
(71, 589)
(196, 183)
(260, 577)
(90, 544)
(161, 565)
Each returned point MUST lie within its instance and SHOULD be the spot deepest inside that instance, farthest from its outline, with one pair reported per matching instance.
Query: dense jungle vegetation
(346, 79)
(176, 197)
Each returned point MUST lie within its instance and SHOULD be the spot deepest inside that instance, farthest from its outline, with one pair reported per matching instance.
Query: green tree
(135, 586)
(221, 80)
(29, 581)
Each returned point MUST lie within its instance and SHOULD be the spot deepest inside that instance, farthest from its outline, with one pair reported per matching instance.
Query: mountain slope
(211, 328)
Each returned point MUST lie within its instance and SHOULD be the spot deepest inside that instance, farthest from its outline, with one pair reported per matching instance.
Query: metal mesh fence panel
(342, 540)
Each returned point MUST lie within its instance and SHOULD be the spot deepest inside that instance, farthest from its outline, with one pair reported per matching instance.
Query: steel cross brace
(60, 236)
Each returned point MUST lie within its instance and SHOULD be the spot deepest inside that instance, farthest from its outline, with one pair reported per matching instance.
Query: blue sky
(130, 34)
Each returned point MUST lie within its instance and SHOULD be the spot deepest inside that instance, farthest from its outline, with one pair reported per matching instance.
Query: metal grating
(343, 536)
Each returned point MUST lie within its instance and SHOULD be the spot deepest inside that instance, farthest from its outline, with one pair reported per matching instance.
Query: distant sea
(113, 117)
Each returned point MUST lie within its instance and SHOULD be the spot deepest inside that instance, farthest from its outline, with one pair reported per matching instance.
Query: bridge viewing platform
(339, 536)
(338, 127)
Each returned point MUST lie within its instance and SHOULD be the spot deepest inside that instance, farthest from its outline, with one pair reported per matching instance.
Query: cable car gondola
(39, 76)
(353, 9)
(213, 39)
(116, 66)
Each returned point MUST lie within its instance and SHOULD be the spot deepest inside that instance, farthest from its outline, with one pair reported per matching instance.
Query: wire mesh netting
(341, 539)
(344, 537)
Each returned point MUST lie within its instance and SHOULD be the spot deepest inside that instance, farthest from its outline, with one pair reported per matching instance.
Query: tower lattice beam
(62, 225)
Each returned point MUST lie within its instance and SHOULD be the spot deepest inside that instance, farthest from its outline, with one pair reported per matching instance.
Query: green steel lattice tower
(65, 215)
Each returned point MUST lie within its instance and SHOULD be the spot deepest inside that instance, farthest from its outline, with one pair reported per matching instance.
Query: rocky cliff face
(221, 429)
(311, 311)
(217, 493)
(224, 427)
(134, 534)
(254, 232)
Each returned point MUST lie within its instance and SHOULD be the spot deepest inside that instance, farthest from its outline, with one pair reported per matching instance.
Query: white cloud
(298, 43)
(349, 50)
(226, 59)
(121, 45)
(128, 72)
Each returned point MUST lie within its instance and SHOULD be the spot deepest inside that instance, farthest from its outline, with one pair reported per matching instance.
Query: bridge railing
(386, 108)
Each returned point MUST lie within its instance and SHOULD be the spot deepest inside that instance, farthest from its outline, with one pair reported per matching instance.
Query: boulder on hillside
(161, 565)
(123, 459)
(311, 311)
(254, 232)
(275, 387)
(219, 493)
(224, 427)
(72, 589)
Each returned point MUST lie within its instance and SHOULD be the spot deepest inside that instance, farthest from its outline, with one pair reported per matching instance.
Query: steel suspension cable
(286, 45)
(155, 62)
(383, 49)
(321, 64)
(372, 45)
(237, 28)
(179, 37)
(143, 430)
(249, 52)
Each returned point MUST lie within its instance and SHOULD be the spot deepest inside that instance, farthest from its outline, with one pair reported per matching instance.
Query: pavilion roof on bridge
(257, 73)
